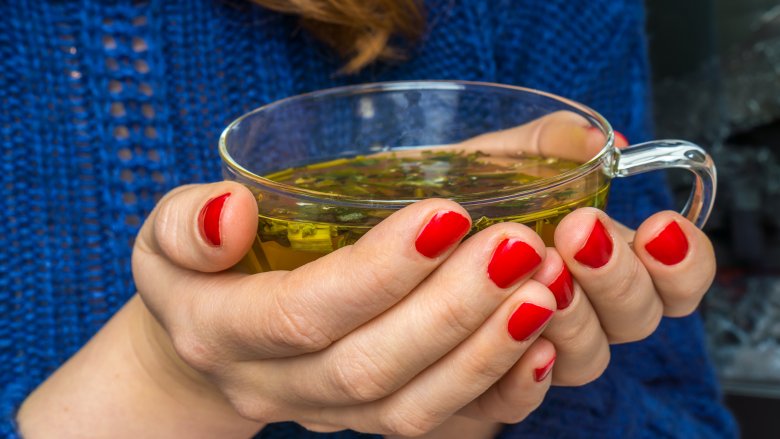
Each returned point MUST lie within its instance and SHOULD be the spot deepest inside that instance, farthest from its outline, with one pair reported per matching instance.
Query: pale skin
(375, 337)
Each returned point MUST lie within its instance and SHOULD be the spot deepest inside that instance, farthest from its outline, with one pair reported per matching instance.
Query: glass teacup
(327, 166)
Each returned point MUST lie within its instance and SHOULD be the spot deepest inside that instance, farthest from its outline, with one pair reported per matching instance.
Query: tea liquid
(285, 242)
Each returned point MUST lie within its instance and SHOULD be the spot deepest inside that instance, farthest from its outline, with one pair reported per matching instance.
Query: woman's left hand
(613, 284)
(622, 282)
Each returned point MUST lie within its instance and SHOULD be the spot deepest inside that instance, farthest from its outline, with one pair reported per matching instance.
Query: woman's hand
(391, 335)
(612, 284)
(618, 285)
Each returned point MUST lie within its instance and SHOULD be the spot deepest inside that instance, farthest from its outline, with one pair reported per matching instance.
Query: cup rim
(314, 196)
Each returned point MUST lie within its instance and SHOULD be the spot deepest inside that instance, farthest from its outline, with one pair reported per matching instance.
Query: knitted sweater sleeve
(663, 386)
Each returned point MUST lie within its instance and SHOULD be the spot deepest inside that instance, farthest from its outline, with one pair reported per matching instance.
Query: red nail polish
(209, 219)
(620, 139)
(597, 249)
(512, 260)
(670, 246)
(563, 288)
(540, 373)
(526, 320)
(443, 230)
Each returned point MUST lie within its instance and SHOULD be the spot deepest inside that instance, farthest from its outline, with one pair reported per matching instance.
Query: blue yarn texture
(105, 106)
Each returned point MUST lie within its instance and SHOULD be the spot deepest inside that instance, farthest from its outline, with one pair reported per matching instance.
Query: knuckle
(517, 414)
(594, 370)
(682, 309)
(513, 405)
(409, 423)
(572, 335)
(383, 280)
(640, 328)
(486, 367)
(320, 428)
(195, 352)
(588, 373)
(245, 408)
(625, 288)
(688, 298)
(459, 320)
(361, 379)
(509, 418)
(651, 324)
(292, 330)
(254, 409)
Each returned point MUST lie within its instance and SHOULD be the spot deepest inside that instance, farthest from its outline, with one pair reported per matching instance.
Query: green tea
(292, 233)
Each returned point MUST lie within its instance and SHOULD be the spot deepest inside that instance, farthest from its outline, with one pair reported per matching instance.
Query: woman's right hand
(391, 335)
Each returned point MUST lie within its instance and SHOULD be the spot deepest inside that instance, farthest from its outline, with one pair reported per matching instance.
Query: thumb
(207, 227)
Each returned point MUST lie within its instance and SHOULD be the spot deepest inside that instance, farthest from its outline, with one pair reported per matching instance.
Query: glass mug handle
(665, 154)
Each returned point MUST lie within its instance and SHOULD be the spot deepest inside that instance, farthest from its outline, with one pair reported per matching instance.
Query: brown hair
(359, 30)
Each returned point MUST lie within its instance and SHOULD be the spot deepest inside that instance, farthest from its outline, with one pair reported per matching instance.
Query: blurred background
(717, 82)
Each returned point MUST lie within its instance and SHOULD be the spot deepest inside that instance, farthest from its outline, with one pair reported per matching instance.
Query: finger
(521, 390)
(441, 312)
(280, 313)
(616, 282)
(215, 318)
(679, 258)
(181, 243)
(580, 342)
(563, 134)
(464, 373)
(206, 228)
(352, 285)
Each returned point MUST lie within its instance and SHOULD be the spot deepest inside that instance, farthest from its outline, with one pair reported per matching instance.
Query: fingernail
(670, 246)
(597, 249)
(563, 288)
(540, 373)
(620, 138)
(526, 320)
(441, 232)
(209, 219)
(512, 260)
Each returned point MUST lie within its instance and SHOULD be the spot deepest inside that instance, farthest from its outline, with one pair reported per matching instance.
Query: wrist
(121, 385)
(159, 362)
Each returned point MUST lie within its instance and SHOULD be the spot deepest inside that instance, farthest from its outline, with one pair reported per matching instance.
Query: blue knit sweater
(104, 106)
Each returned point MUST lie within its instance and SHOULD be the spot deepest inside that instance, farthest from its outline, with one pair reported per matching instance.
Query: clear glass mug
(299, 224)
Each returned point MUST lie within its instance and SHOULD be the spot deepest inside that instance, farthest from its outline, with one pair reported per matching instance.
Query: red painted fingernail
(621, 139)
(597, 249)
(563, 288)
(209, 219)
(670, 246)
(540, 373)
(512, 260)
(527, 319)
(443, 230)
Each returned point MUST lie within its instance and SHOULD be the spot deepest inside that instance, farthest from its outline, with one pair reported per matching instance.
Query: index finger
(562, 134)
